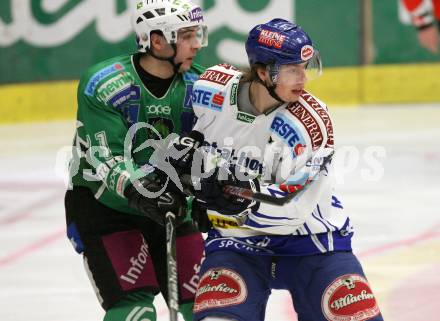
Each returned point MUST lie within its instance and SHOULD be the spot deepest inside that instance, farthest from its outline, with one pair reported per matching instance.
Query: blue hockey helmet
(281, 42)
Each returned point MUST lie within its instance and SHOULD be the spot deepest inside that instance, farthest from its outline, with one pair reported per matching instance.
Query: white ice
(388, 175)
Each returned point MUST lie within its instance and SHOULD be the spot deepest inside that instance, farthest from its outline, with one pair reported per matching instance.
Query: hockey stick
(173, 294)
(247, 193)
(261, 197)
(271, 199)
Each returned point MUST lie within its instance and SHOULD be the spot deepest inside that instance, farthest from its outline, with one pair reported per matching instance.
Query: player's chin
(186, 64)
(293, 96)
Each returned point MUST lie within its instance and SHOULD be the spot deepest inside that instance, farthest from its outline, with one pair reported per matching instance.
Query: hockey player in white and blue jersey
(274, 137)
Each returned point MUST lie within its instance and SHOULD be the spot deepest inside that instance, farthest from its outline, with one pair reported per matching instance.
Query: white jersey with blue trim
(284, 148)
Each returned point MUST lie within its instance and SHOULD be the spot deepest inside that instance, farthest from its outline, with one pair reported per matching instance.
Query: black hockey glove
(183, 150)
(200, 217)
(144, 195)
(211, 192)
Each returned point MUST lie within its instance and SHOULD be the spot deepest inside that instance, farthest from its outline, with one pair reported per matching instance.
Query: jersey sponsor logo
(129, 111)
(121, 97)
(113, 86)
(228, 66)
(223, 222)
(349, 298)
(130, 259)
(309, 122)
(206, 97)
(191, 285)
(102, 171)
(218, 99)
(219, 288)
(258, 244)
(100, 75)
(112, 162)
(325, 117)
(121, 183)
(299, 149)
(187, 102)
(244, 246)
(234, 94)
(115, 173)
(307, 52)
(230, 156)
(137, 264)
(288, 132)
(189, 264)
(216, 76)
(158, 110)
(244, 117)
(190, 77)
(271, 38)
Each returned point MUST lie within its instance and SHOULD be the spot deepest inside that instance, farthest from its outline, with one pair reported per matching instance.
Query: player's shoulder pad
(313, 114)
(106, 77)
(303, 124)
(216, 88)
(219, 76)
(314, 102)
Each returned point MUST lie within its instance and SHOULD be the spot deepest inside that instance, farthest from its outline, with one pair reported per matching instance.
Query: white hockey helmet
(167, 16)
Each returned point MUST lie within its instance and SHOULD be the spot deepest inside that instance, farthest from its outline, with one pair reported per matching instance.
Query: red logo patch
(219, 288)
(306, 52)
(349, 298)
(216, 76)
(218, 99)
(271, 38)
(299, 149)
(290, 188)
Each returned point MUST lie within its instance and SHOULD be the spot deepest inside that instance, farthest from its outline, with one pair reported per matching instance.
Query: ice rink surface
(388, 160)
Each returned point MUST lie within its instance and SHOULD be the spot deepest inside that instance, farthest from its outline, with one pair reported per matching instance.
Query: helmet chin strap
(271, 90)
(270, 85)
(176, 67)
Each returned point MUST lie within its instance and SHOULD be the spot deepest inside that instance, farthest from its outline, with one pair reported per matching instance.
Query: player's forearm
(116, 173)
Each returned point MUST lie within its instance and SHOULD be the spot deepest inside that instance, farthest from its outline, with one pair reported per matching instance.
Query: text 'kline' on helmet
(279, 42)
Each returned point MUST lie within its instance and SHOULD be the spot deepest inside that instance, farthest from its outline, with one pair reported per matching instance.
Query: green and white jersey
(116, 115)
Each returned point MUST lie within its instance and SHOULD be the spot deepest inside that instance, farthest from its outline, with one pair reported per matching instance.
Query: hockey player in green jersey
(123, 103)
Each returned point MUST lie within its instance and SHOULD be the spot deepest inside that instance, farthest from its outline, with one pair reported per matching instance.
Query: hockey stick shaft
(260, 197)
(244, 193)
(173, 294)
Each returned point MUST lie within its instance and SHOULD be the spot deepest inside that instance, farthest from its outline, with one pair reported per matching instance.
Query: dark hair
(157, 32)
(251, 74)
